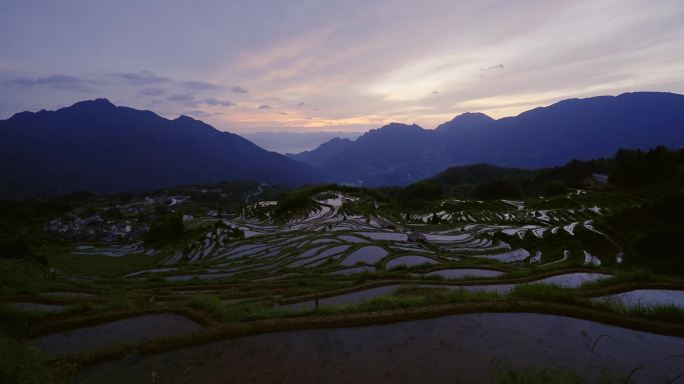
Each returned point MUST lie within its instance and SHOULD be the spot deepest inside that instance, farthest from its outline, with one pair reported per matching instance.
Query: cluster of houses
(94, 227)
(131, 220)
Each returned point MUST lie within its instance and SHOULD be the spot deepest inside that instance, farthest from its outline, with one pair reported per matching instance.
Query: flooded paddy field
(345, 298)
(40, 307)
(648, 298)
(573, 280)
(568, 280)
(462, 273)
(132, 330)
(521, 239)
(461, 348)
(362, 260)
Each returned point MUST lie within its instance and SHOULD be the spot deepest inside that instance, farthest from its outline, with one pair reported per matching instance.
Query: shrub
(498, 189)
(166, 228)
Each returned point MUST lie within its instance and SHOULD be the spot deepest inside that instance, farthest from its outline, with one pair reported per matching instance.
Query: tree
(166, 228)
(418, 192)
(498, 189)
(633, 168)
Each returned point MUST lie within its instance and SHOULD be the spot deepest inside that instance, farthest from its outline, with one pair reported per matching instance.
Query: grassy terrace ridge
(557, 242)
(353, 316)
(404, 307)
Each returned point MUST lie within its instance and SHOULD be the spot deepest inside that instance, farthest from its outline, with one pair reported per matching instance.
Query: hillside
(99, 147)
(399, 154)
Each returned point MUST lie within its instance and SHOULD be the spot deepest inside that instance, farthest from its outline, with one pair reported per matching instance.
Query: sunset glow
(337, 65)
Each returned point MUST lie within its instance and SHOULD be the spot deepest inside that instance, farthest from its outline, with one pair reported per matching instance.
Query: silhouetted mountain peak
(324, 151)
(392, 129)
(100, 103)
(184, 121)
(472, 117)
(546, 136)
(336, 141)
(21, 116)
(466, 120)
(642, 94)
(183, 118)
(84, 108)
(401, 126)
(96, 146)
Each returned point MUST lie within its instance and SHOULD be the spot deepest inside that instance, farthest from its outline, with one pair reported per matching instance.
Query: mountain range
(295, 142)
(97, 146)
(546, 136)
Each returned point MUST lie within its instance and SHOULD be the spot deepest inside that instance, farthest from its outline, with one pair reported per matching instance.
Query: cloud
(142, 78)
(264, 106)
(350, 67)
(493, 67)
(199, 85)
(150, 78)
(181, 98)
(189, 100)
(214, 102)
(74, 87)
(152, 92)
(63, 82)
(153, 103)
(197, 113)
(52, 79)
(185, 99)
(237, 89)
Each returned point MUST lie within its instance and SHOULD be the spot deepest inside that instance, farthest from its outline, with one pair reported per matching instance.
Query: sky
(301, 66)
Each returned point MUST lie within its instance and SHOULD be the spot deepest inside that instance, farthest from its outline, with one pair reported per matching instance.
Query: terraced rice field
(463, 348)
(329, 239)
(344, 262)
(130, 330)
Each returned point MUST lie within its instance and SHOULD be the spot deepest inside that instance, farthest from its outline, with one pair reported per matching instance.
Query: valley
(314, 261)
(333, 192)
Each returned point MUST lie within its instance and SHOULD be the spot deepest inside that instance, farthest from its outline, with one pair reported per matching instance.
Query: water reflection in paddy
(648, 297)
(449, 349)
(131, 330)
(367, 255)
(461, 273)
(408, 261)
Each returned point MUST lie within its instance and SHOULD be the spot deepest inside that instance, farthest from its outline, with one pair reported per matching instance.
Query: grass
(631, 277)
(233, 320)
(19, 322)
(505, 374)
(554, 294)
(666, 313)
(127, 296)
(103, 266)
(312, 286)
(236, 312)
(670, 313)
(403, 298)
(22, 365)
(17, 276)
(532, 376)
(545, 292)
(411, 296)
(408, 296)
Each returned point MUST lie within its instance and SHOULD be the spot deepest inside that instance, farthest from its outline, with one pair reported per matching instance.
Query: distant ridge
(546, 136)
(323, 153)
(96, 146)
